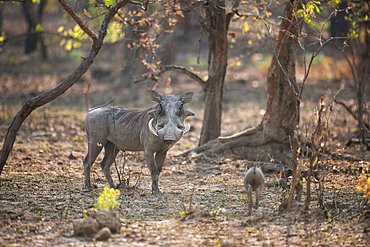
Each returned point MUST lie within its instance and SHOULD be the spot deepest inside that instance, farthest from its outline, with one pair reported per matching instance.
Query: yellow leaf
(246, 27)
(314, 162)
(77, 28)
(62, 42)
(205, 78)
(60, 29)
(359, 188)
(69, 45)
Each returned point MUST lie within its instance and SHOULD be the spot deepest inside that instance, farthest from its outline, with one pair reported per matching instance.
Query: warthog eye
(160, 126)
(180, 126)
(161, 109)
(181, 110)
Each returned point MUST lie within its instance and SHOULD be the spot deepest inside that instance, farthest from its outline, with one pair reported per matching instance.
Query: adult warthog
(153, 130)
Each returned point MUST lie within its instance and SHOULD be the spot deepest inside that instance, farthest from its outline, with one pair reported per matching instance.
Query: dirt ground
(203, 201)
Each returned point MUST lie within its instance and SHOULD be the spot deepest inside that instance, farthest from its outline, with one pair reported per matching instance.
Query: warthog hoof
(157, 191)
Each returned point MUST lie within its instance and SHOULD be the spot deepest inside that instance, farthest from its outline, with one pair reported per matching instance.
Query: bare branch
(172, 68)
(77, 19)
(184, 71)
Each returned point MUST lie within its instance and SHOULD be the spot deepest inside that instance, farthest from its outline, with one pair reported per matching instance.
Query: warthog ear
(157, 97)
(186, 97)
(153, 112)
(189, 113)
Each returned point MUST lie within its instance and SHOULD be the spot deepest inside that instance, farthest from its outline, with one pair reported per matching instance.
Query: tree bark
(33, 13)
(218, 23)
(41, 100)
(271, 139)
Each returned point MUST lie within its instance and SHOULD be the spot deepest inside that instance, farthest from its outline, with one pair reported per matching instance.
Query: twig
(82, 25)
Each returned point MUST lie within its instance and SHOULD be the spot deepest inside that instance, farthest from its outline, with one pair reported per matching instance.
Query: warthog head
(168, 118)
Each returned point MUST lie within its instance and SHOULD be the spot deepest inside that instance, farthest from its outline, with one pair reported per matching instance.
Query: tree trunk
(270, 140)
(33, 13)
(363, 78)
(218, 22)
(1, 17)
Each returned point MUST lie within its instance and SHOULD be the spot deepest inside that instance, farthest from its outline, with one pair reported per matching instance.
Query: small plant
(187, 210)
(364, 185)
(218, 211)
(107, 199)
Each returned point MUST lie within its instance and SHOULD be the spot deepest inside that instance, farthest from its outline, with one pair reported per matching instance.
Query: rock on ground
(108, 218)
(103, 234)
(85, 226)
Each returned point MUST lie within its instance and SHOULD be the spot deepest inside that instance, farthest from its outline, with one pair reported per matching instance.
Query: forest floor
(203, 201)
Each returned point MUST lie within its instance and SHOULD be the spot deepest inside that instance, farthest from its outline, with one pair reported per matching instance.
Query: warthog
(153, 130)
(254, 180)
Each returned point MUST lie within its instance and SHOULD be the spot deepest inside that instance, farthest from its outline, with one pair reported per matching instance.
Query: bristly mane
(131, 115)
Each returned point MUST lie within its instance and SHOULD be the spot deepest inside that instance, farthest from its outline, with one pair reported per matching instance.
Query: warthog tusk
(151, 127)
(186, 130)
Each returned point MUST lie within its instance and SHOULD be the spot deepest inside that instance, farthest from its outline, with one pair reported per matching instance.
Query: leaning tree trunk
(41, 100)
(271, 138)
(218, 22)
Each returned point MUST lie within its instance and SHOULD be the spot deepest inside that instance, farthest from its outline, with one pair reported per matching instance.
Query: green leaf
(299, 13)
(38, 28)
(317, 9)
(309, 6)
(307, 19)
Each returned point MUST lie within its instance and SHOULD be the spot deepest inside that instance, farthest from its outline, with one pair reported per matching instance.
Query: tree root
(248, 144)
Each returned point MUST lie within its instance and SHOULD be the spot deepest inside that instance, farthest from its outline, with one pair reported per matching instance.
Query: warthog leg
(92, 153)
(110, 154)
(160, 156)
(153, 171)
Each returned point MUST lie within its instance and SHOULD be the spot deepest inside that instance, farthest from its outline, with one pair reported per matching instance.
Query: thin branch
(77, 19)
(349, 111)
(177, 69)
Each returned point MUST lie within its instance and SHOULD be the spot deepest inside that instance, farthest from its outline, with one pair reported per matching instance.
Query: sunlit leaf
(60, 29)
(76, 44)
(38, 28)
(108, 2)
(299, 13)
(61, 43)
(314, 163)
(69, 45)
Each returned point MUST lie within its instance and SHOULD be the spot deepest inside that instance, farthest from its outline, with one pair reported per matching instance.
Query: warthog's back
(121, 126)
